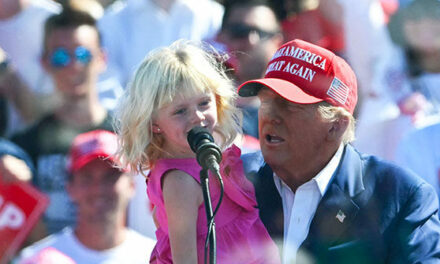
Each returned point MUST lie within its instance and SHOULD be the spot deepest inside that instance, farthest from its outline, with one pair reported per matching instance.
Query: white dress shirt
(300, 207)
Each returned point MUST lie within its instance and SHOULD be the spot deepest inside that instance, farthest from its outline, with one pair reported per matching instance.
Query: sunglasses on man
(240, 30)
(61, 57)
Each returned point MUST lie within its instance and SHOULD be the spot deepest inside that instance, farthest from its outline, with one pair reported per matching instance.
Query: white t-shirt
(136, 249)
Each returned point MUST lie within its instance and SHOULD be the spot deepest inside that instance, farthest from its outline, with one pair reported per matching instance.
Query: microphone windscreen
(198, 135)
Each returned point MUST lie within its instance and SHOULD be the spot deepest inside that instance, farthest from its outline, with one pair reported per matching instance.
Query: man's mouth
(273, 139)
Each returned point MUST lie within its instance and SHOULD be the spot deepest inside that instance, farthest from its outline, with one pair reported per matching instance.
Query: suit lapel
(269, 203)
(337, 209)
(334, 215)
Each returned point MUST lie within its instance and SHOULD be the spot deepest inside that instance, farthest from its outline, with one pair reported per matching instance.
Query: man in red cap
(321, 199)
(101, 192)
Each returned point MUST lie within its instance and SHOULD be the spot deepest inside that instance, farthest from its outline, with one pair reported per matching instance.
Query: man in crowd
(325, 201)
(73, 58)
(101, 192)
(251, 33)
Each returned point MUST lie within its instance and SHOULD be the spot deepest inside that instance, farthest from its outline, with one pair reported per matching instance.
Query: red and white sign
(21, 206)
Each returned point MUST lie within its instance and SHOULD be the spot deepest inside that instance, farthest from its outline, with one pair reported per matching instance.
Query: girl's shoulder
(162, 166)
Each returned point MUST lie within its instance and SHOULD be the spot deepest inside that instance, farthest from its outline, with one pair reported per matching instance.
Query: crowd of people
(97, 98)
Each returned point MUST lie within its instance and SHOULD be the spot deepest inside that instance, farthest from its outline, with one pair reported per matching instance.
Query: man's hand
(414, 105)
(13, 170)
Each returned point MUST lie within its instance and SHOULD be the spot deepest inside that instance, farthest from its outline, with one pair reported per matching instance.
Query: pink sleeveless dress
(240, 235)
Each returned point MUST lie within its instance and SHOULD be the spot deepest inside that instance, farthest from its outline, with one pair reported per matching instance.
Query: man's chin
(270, 155)
(102, 216)
(76, 94)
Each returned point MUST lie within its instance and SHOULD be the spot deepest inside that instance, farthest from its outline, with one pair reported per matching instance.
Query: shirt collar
(323, 178)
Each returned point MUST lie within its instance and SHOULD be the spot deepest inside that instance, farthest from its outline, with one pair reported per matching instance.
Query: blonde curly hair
(185, 68)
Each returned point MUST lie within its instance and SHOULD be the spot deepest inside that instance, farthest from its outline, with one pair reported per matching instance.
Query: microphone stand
(208, 156)
(204, 181)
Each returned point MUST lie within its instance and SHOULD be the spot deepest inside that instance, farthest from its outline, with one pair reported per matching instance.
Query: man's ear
(338, 128)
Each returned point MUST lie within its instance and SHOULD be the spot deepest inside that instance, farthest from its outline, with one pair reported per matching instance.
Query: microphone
(207, 152)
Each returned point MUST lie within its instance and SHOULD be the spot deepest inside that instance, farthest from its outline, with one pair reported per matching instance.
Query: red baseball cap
(305, 73)
(88, 146)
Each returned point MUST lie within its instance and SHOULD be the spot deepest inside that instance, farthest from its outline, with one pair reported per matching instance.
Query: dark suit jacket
(389, 214)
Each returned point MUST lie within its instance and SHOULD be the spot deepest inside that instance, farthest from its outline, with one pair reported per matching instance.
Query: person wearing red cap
(101, 192)
(325, 201)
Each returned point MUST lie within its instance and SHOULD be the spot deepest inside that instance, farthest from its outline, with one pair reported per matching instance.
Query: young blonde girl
(175, 89)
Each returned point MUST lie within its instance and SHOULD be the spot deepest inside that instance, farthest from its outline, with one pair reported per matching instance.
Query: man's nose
(244, 44)
(77, 65)
(270, 113)
(98, 186)
(73, 68)
(253, 38)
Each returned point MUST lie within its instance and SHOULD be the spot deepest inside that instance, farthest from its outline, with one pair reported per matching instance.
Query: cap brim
(285, 89)
(84, 160)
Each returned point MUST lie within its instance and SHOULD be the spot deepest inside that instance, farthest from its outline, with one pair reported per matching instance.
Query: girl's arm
(182, 196)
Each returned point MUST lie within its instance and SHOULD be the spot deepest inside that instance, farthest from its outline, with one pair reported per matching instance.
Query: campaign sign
(21, 205)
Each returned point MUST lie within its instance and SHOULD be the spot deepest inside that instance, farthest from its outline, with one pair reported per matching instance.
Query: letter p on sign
(21, 206)
(11, 217)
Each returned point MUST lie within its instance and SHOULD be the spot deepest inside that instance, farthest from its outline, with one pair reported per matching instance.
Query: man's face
(250, 35)
(100, 191)
(423, 35)
(74, 59)
(291, 135)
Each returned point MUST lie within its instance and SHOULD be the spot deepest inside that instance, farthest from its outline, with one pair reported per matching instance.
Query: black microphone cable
(211, 224)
